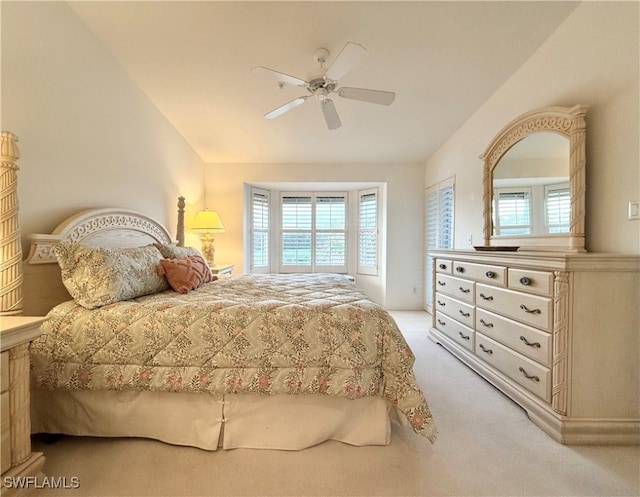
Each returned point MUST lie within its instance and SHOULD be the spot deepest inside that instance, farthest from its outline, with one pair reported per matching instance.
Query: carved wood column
(19, 404)
(180, 227)
(560, 366)
(10, 246)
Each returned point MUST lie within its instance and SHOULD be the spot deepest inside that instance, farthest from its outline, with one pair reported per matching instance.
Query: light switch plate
(634, 210)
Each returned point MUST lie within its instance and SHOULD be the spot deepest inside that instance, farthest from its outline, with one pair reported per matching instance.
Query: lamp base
(208, 250)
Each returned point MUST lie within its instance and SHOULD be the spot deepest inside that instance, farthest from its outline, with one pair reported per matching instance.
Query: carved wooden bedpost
(180, 227)
(10, 246)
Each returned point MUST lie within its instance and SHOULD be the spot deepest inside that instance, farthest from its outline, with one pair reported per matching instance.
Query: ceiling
(442, 59)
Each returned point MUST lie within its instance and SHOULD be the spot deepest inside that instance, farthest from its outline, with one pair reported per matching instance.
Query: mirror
(533, 184)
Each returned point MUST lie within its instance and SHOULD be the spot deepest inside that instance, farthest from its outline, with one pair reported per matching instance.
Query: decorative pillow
(186, 274)
(97, 276)
(175, 252)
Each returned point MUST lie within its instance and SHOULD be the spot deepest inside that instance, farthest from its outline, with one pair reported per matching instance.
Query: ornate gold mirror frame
(569, 122)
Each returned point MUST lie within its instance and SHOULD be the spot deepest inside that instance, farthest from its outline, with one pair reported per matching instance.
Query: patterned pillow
(186, 274)
(97, 276)
(175, 252)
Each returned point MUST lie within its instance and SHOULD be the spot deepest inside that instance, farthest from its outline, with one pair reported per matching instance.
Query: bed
(256, 361)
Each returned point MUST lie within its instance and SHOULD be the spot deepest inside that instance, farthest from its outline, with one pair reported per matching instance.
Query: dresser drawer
(4, 372)
(460, 333)
(494, 275)
(6, 432)
(456, 287)
(528, 309)
(528, 341)
(532, 376)
(444, 266)
(465, 313)
(538, 282)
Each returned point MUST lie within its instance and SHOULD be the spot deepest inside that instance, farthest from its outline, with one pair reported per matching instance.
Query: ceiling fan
(322, 81)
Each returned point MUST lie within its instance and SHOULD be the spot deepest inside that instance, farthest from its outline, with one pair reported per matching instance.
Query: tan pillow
(174, 252)
(97, 276)
(186, 274)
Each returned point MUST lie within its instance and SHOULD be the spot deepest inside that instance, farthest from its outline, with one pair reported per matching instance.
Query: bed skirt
(287, 422)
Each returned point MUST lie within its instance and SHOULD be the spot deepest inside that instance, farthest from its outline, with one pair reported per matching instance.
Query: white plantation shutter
(313, 232)
(368, 232)
(439, 217)
(557, 208)
(330, 234)
(296, 232)
(513, 211)
(260, 230)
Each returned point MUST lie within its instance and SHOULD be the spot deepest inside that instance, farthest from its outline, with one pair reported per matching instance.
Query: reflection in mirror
(531, 193)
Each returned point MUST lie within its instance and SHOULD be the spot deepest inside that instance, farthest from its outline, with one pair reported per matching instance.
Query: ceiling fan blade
(330, 114)
(350, 54)
(365, 95)
(286, 107)
(279, 76)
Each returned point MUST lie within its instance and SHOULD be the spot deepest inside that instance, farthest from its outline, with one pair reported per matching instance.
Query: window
(260, 231)
(512, 211)
(439, 203)
(368, 232)
(557, 202)
(313, 236)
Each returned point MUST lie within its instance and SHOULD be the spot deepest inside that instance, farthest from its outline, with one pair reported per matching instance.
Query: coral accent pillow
(185, 274)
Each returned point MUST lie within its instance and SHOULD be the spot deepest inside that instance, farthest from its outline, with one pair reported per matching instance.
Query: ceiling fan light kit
(323, 81)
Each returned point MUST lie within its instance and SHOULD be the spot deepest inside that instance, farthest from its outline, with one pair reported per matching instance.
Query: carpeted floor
(486, 446)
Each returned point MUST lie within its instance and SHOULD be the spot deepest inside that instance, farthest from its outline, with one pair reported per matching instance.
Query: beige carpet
(486, 446)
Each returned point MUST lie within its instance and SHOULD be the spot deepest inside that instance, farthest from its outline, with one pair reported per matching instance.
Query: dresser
(557, 333)
(17, 459)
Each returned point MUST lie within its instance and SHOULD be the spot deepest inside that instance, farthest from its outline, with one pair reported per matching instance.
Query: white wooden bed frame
(205, 421)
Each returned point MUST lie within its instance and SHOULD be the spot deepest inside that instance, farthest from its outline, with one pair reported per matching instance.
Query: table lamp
(206, 224)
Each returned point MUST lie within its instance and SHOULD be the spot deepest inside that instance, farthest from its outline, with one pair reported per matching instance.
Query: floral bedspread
(270, 334)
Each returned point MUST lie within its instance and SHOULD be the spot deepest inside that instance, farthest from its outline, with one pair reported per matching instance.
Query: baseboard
(563, 429)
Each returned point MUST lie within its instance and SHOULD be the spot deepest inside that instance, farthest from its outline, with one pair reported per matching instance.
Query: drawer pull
(485, 297)
(464, 314)
(441, 283)
(525, 281)
(459, 269)
(442, 266)
(528, 376)
(490, 274)
(530, 311)
(441, 304)
(530, 344)
(465, 337)
(484, 323)
(441, 323)
(464, 290)
(486, 350)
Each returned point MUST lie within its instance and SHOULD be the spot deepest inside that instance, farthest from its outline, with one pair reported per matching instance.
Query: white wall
(89, 137)
(404, 266)
(592, 59)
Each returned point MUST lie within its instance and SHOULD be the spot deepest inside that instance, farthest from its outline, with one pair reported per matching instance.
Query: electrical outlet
(634, 210)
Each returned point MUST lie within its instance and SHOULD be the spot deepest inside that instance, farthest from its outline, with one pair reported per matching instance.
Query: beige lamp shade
(206, 224)
(207, 221)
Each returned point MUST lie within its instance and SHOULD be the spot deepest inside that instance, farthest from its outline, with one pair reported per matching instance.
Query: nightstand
(17, 459)
(221, 269)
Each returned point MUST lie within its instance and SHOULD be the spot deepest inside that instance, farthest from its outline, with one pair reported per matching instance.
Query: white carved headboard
(111, 227)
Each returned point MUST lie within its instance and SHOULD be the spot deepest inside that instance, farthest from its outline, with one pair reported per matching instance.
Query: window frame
(265, 268)
(374, 268)
(526, 229)
(313, 231)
